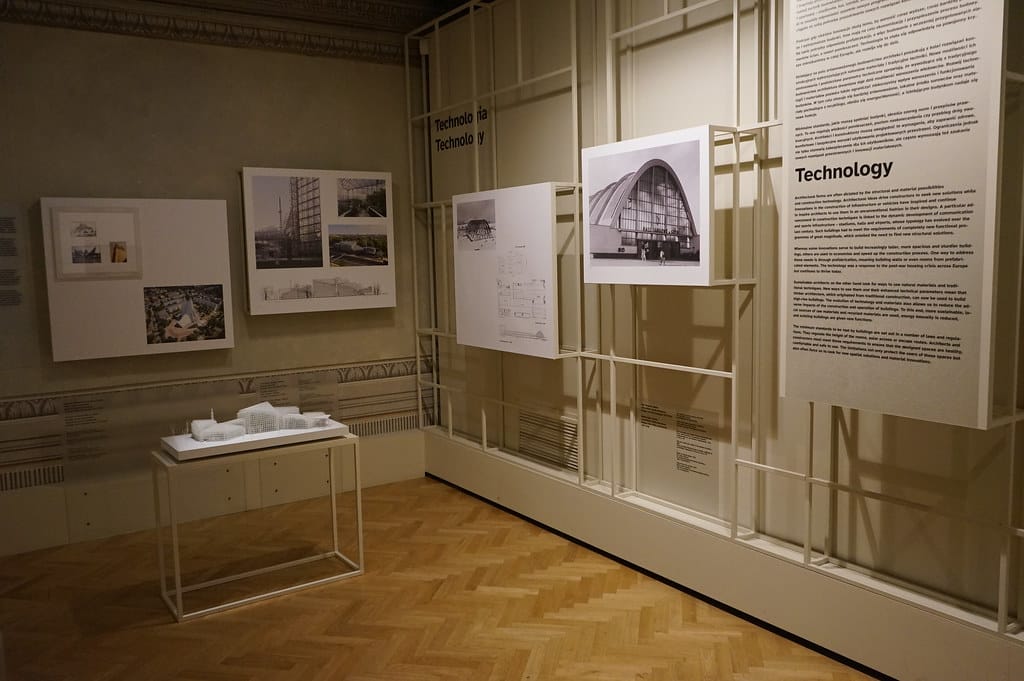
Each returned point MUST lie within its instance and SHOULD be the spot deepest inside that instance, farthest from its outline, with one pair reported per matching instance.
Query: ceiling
(398, 16)
(369, 30)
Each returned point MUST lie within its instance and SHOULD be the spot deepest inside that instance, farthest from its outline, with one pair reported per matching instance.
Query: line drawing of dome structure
(643, 214)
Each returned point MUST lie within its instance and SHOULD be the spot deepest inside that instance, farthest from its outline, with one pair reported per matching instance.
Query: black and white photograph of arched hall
(645, 207)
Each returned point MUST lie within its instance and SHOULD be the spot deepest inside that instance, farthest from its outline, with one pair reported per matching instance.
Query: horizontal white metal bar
(742, 281)
(269, 594)
(435, 332)
(785, 472)
(496, 91)
(753, 127)
(426, 205)
(878, 496)
(665, 17)
(1015, 417)
(253, 573)
(433, 24)
(658, 365)
(917, 506)
(493, 400)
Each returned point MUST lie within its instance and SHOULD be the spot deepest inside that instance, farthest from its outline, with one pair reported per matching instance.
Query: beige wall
(96, 115)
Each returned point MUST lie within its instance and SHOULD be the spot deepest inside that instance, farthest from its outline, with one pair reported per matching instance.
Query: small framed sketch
(318, 240)
(647, 206)
(96, 243)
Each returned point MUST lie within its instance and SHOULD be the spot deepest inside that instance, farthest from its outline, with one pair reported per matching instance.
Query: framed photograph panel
(180, 302)
(96, 243)
(647, 206)
(318, 240)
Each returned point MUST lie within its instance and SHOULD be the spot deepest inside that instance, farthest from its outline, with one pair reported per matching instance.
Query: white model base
(184, 447)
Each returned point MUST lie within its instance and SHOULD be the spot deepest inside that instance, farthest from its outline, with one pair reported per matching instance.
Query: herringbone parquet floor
(455, 589)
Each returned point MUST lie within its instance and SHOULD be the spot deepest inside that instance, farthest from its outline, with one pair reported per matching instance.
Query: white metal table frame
(171, 467)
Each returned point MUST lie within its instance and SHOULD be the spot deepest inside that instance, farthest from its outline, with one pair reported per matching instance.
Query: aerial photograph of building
(184, 313)
(358, 245)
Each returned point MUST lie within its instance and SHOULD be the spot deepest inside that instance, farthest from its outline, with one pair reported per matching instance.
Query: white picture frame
(101, 242)
(318, 240)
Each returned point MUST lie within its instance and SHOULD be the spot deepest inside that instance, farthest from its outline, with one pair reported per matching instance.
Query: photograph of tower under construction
(287, 219)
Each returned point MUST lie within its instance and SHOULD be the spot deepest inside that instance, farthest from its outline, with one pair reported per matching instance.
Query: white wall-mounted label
(892, 134)
(505, 276)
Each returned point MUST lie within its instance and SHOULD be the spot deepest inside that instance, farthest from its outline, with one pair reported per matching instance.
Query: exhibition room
(512, 339)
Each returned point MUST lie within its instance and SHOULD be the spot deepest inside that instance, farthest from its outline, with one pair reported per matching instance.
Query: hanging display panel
(505, 272)
(318, 240)
(891, 166)
(647, 210)
(136, 276)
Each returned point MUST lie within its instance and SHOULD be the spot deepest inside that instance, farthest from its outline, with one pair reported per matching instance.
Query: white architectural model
(259, 418)
(208, 430)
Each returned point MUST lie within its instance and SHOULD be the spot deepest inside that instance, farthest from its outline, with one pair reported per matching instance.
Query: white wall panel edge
(391, 458)
(883, 633)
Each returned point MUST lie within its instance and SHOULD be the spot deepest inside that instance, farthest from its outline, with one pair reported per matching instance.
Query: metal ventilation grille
(383, 426)
(38, 476)
(548, 440)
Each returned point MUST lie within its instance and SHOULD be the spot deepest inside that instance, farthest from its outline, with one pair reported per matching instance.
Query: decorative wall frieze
(303, 31)
(24, 408)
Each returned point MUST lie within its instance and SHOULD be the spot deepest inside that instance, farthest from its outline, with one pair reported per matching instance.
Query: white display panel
(891, 166)
(318, 240)
(647, 210)
(505, 274)
(136, 276)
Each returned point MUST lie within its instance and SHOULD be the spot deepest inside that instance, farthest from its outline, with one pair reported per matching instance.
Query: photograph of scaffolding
(476, 225)
(362, 197)
(287, 222)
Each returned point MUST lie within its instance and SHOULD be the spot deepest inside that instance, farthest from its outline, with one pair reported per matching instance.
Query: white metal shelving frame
(435, 212)
(820, 557)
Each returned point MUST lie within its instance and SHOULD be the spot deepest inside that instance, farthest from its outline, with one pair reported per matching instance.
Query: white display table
(253, 448)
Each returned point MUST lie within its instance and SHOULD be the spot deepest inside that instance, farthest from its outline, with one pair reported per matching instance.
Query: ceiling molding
(348, 29)
(397, 16)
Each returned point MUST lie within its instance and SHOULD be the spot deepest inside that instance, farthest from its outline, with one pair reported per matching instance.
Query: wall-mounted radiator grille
(385, 425)
(35, 476)
(548, 440)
